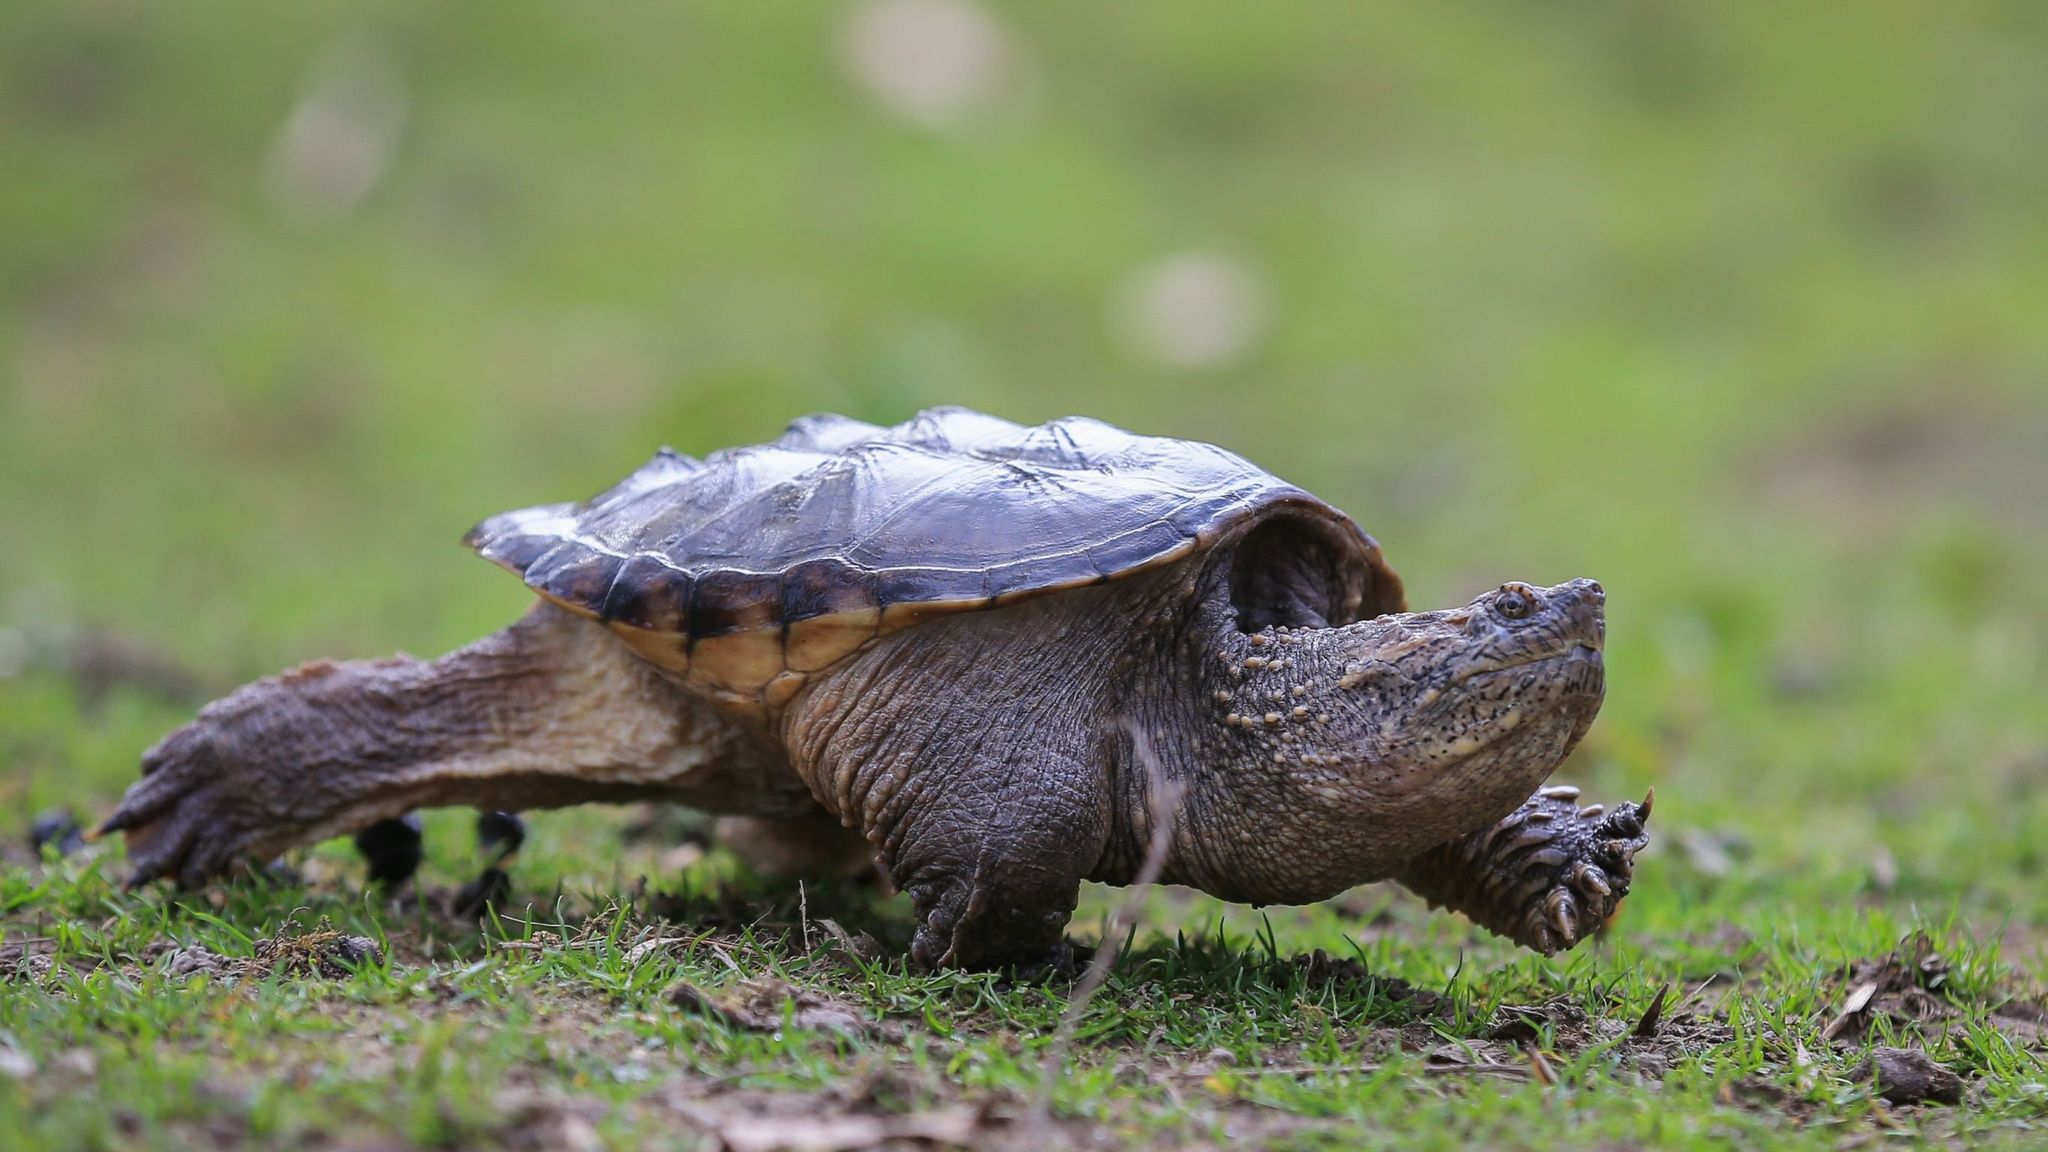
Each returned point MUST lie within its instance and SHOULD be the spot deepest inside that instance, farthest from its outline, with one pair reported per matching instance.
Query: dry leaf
(646, 948)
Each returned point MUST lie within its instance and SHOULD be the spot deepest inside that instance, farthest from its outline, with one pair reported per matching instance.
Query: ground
(635, 991)
(1735, 310)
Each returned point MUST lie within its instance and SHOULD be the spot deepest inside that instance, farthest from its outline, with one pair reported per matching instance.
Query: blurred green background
(1736, 308)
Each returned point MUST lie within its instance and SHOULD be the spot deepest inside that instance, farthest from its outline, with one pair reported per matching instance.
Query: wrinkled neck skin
(1317, 758)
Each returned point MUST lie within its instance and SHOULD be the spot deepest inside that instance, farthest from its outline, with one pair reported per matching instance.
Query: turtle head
(1409, 729)
(1500, 689)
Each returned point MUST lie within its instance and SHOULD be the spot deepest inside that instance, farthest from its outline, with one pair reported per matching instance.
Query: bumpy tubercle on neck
(1244, 727)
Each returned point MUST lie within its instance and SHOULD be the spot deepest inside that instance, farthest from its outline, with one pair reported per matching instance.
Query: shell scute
(517, 539)
(650, 594)
(572, 573)
(818, 588)
(727, 601)
(742, 662)
(1015, 581)
(1148, 546)
(956, 431)
(826, 432)
(822, 641)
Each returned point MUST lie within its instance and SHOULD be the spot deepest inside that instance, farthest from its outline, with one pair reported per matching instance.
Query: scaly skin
(993, 759)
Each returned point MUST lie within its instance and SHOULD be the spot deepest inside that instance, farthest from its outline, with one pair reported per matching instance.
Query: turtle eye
(1513, 605)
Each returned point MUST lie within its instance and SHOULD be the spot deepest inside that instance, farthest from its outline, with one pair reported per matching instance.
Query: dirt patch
(1899, 986)
(808, 1131)
(28, 961)
(292, 954)
(1910, 988)
(539, 1122)
(765, 1004)
(1319, 967)
(1649, 1041)
(2024, 1021)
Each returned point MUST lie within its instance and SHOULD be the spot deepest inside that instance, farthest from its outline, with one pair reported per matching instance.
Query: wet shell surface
(745, 572)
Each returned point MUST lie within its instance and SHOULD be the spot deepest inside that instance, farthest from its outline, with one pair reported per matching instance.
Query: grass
(455, 1036)
(1736, 311)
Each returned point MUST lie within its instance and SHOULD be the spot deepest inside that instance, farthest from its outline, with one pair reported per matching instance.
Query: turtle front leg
(988, 836)
(1546, 876)
(995, 871)
(549, 712)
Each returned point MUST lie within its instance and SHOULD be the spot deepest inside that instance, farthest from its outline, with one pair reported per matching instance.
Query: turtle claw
(1587, 877)
(1563, 915)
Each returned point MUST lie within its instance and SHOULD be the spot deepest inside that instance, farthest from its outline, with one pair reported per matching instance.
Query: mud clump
(1909, 1076)
(322, 953)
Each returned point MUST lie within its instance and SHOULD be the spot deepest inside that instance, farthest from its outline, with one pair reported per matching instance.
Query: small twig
(1163, 797)
(803, 913)
(1701, 987)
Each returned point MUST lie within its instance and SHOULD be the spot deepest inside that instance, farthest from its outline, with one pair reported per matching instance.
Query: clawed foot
(194, 814)
(1560, 869)
(1547, 876)
(259, 771)
(966, 925)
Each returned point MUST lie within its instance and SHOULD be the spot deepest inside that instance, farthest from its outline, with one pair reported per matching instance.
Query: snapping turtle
(976, 651)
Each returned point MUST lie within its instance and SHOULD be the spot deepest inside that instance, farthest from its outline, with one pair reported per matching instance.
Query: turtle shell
(743, 573)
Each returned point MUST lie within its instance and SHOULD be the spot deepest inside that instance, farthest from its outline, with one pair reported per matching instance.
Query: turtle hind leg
(548, 712)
